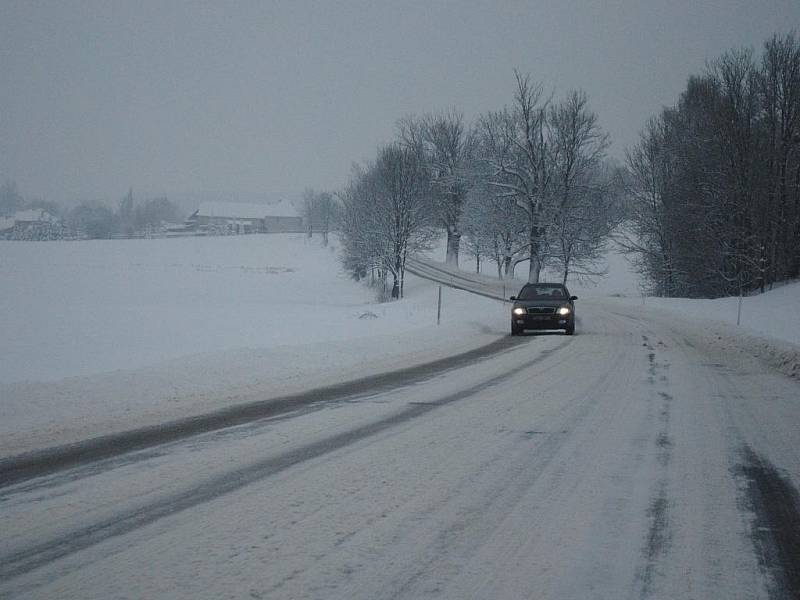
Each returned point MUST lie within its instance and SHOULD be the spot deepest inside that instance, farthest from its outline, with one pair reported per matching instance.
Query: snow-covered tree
(494, 225)
(386, 216)
(446, 147)
(319, 209)
(516, 146)
(309, 209)
(583, 212)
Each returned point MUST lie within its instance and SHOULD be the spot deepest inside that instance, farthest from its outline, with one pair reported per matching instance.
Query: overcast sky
(272, 97)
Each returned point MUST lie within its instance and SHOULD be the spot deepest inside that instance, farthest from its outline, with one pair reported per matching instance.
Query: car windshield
(543, 292)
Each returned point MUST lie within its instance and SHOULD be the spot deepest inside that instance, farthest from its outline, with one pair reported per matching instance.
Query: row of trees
(527, 183)
(320, 212)
(11, 201)
(92, 220)
(714, 182)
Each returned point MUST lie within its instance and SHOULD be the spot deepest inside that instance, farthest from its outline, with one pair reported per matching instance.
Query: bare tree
(446, 147)
(364, 248)
(309, 208)
(715, 192)
(517, 148)
(583, 212)
(779, 80)
(582, 227)
(386, 215)
(319, 209)
(651, 239)
(327, 210)
(494, 225)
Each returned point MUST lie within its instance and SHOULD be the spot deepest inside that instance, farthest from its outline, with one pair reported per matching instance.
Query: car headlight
(518, 311)
(564, 310)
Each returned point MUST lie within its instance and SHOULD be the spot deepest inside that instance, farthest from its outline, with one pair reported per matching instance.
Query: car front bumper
(542, 321)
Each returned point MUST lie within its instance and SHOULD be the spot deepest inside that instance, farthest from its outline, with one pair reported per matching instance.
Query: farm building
(31, 224)
(234, 218)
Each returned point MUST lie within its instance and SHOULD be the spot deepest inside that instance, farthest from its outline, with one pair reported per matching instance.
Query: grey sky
(254, 97)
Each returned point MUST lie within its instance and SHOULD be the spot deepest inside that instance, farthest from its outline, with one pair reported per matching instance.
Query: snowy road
(634, 460)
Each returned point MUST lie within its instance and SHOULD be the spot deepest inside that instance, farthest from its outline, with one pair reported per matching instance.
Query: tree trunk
(794, 269)
(398, 263)
(534, 269)
(453, 243)
(535, 266)
(403, 275)
(506, 267)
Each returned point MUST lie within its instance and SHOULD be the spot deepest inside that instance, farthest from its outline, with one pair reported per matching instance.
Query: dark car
(543, 306)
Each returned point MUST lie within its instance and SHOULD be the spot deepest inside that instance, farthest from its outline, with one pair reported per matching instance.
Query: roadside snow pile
(104, 336)
(777, 354)
(773, 314)
(769, 330)
(782, 356)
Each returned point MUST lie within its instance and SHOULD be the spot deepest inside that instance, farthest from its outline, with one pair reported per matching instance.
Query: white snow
(101, 336)
(524, 480)
(775, 313)
(606, 464)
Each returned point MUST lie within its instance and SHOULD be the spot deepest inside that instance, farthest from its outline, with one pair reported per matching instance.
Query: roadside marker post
(439, 308)
(739, 311)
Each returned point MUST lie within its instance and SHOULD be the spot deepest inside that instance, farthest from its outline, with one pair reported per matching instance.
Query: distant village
(210, 218)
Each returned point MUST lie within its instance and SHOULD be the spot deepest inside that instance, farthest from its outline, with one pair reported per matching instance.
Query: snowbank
(769, 329)
(774, 314)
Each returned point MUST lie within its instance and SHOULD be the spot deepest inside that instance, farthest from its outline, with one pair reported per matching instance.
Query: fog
(269, 98)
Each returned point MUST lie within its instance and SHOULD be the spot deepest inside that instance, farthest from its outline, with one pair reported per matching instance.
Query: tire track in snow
(765, 492)
(20, 468)
(24, 561)
(775, 530)
(658, 537)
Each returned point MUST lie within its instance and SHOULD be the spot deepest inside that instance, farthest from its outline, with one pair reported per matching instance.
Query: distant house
(233, 218)
(282, 217)
(33, 215)
(31, 224)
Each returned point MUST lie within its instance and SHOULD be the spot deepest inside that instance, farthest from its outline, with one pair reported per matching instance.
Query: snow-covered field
(104, 336)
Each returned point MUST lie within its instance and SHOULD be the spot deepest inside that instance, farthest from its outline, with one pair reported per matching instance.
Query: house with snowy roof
(240, 218)
(30, 224)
